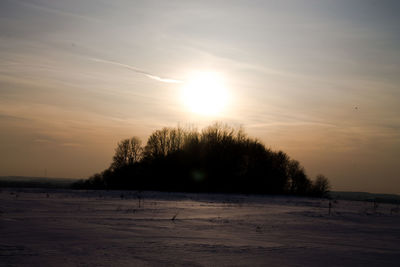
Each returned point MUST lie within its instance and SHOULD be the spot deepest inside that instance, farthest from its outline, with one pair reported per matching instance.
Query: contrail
(149, 75)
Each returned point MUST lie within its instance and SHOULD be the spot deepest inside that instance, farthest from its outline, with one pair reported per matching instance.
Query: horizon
(318, 80)
(76, 179)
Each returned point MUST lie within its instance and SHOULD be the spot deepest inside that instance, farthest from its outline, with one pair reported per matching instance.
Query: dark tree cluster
(217, 159)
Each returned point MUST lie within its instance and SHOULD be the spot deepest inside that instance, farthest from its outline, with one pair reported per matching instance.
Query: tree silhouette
(321, 186)
(217, 159)
(128, 152)
(163, 142)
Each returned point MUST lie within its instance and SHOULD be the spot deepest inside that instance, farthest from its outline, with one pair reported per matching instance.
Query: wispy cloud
(149, 75)
(71, 145)
(43, 141)
(51, 141)
(293, 123)
(12, 118)
(46, 8)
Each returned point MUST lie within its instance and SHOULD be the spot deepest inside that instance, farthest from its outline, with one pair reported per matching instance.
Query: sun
(205, 93)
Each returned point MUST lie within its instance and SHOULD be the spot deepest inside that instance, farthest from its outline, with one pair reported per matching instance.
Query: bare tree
(127, 152)
(164, 141)
(321, 185)
(218, 133)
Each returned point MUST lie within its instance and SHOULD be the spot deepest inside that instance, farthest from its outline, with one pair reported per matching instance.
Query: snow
(48, 227)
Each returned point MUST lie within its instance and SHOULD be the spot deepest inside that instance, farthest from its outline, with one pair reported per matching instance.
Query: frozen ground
(97, 228)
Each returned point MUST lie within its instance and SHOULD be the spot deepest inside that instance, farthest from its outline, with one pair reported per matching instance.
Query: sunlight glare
(205, 93)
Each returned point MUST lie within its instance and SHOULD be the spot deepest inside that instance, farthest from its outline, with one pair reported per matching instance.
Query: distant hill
(37, 182)
(364, 196)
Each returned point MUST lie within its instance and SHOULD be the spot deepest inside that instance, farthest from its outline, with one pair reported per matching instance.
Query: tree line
(217, 159)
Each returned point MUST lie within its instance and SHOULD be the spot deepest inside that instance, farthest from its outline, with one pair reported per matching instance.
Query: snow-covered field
(77, 228)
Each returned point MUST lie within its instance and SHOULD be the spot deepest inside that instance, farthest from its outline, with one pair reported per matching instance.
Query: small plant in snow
(174, 217)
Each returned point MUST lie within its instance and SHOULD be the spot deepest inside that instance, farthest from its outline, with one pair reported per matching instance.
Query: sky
(319, 80)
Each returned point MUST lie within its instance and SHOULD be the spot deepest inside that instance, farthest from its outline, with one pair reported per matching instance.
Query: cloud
(12, 118)
(149, 75)
(71, 145)
(290, 123)
(43, 141)
(60, 142)
(46, 7)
